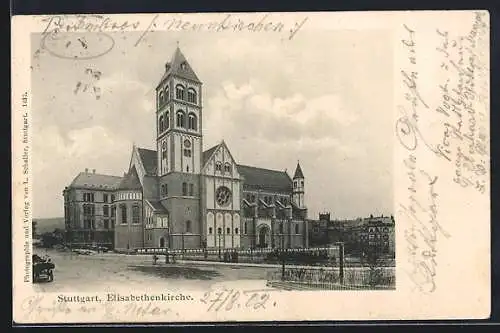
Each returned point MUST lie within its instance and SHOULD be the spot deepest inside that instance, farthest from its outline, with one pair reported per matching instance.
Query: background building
(358, 235)
(89, 211)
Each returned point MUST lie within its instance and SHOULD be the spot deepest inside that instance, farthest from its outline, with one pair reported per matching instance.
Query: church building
(180, 196)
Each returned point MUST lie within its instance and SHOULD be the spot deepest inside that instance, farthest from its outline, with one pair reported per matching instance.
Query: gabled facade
(190, 198)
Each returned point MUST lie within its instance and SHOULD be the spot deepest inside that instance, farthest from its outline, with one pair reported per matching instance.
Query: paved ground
(99, 272)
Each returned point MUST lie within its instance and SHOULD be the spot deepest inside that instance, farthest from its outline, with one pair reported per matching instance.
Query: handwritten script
(461, 112)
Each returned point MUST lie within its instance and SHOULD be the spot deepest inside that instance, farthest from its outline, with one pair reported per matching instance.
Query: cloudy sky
(323, 98)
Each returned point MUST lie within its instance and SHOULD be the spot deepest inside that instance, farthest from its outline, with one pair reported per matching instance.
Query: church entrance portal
(263, 240)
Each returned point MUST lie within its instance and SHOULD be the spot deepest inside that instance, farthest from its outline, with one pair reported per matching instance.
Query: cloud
(292, 119)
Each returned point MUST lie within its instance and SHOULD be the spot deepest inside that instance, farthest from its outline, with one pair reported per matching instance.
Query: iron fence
(353, 278)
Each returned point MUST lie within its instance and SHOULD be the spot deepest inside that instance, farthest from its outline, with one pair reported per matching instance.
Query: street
(100, 272)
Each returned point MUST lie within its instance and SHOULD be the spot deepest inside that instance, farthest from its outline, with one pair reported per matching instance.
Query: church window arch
(166, 121)
(227, 168)
(191, 96)
(167, 93)
(135, 214)
(164, 150)
(218, 166)
(179, 91)
(160, 124)
(161, 98)
(123, 209)
(181, 119)
(192, 121)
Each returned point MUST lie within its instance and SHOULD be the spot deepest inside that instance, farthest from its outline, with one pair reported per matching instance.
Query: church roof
(207, 153)
(298, 172)
(130, 181)
(265, 179)
(157, 206)
(148, 158)
(95, 181)
(179, 67)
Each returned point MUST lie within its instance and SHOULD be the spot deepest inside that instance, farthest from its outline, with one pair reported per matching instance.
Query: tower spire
(298, 171)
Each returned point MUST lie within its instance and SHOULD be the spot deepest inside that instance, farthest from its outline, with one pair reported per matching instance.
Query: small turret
(298, 187)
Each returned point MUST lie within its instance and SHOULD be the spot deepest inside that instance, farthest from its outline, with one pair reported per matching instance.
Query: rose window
(223, 196)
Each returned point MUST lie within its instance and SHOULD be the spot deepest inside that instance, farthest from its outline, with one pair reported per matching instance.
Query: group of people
(230, 256)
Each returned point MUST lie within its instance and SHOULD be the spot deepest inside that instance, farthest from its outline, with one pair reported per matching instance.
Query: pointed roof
(208, 153)
(180, 67)
(130, 181)
(148, 158)
(298, 172)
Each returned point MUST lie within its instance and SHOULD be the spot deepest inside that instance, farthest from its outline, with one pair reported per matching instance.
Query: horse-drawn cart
(42, 269)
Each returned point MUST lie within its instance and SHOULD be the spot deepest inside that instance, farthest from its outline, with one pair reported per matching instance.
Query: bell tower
(178, 116)
(179, 149)
(298, 187)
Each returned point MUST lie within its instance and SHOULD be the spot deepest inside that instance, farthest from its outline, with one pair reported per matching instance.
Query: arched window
(136, 214)
(281, 228)
(192, 122)
(167, 93)
(236, 231)
(160, 124)
(184, 189)
(181, 119)
(296, 228)
(191, 95)
(188, 226)
(210, 230)
(179, 92)
(218, 166)
(161, 98)
(219, 231)
(227, 168)
(245, 230)
(123, 209)
(166, 121)
(164, 150)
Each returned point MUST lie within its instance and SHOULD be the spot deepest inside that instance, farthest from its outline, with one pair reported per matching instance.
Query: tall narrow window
(179, 92)
(112, 197)
(191, 189)
(161, 98)
(245, 230)
(164, 150)
(218, 166)
(184, 189)
(181, 121)
(228, 231)
(105, 210)
(281, 228)
(210, 230)
(296, 228)
(105, 197)
(160, 124)
(167, 93)
(136, 214)
(191, 95)
(106, 224)
(166, 121)
(192, 122)
(124, 214)
(188, 226)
